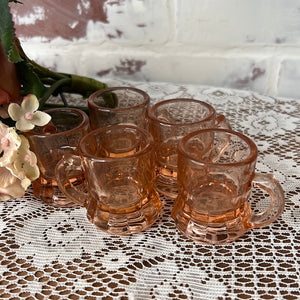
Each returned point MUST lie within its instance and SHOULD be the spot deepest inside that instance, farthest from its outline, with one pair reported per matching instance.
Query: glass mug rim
(82, 114)
(249, 159)
(92, 104)
(148, 147)
(153, 108)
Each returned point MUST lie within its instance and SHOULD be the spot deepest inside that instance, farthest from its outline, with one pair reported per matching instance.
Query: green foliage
(31, 84)
(36, 79)
(7, 33)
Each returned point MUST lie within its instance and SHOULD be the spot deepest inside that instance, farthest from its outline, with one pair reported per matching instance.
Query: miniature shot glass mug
(118, 105)
(50, 143)
(119, 170)
(216, 173)
(169, 121)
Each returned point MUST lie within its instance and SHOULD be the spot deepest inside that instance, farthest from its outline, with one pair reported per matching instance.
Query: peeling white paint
(212, 42)
(79, 9)
(138, 5)
(86, 4)
(74, 24)
(37, 14)
(129, 14)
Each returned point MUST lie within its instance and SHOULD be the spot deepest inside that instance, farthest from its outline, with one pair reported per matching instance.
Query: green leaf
(14, 55)
(7, 33)
(31, 83)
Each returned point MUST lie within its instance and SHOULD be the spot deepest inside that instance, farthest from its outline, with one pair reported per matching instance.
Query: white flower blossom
(16, 177)
(10, 185)
(25, 164)
(27, 115)
(18, 165)
(9, 144)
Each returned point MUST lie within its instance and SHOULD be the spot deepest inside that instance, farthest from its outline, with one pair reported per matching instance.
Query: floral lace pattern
(51, 253)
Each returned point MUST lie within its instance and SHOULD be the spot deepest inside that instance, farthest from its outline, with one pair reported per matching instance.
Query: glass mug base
(126, 221)
(166, 181)
(167, 186)
(221, 234)
(48, 191)
(212, 228)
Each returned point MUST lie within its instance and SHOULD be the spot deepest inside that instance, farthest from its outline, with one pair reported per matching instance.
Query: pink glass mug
(119, 171)
(169, 121)
(50, 143)
(216, 174)
(118, 105)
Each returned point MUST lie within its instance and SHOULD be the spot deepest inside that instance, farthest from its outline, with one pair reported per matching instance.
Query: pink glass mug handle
(269, 184)
(221, 122)
(64, 172)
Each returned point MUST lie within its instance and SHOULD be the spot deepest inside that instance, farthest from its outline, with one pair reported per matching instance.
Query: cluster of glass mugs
(117, 162)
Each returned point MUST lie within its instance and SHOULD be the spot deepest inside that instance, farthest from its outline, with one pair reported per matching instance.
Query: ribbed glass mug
(50, 143)
(169, 121)
(216, 174)
(119, 171)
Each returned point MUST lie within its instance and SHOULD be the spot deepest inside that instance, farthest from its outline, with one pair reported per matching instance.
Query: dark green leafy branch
(36, 79)
(7, 33)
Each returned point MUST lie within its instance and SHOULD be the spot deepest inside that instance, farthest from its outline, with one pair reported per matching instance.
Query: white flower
(9, 144)
(25, 164)
(27, 115)
(24, 167)
(4, 197)
(18, 165)
(10, 185)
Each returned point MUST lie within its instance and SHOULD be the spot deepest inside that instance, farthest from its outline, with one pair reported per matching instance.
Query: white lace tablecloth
(49, 253)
